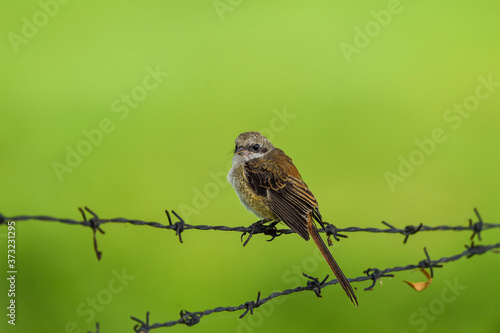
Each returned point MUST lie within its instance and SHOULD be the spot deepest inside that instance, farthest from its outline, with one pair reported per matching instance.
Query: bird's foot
(260, 227)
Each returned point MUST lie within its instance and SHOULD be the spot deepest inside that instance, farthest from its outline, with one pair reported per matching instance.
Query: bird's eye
(256, 147)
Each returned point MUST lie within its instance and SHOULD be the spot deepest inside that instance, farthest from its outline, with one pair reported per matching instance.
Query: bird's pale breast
(256, 204)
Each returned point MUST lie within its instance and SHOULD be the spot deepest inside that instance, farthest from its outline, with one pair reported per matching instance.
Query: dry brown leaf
(419, 286)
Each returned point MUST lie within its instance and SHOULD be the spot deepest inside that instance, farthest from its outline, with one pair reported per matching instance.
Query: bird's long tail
(313, 231)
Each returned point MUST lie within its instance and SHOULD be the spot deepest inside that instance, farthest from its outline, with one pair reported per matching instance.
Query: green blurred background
(345, 89)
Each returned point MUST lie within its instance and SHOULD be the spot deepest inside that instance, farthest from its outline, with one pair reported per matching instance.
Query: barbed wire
(313, 283)
(259, 227)
(374, 274)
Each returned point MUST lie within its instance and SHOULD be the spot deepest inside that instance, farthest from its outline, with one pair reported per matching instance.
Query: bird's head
(250, 145)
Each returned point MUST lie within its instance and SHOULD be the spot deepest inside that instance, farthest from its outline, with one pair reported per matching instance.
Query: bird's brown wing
(275, 177)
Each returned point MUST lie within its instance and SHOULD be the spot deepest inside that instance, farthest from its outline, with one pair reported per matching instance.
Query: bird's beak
(242, 151)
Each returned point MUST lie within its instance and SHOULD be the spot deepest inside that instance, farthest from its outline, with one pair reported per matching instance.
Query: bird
(270, 186)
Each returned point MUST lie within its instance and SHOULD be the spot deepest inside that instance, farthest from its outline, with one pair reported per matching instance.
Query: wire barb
(407, 231)
(375, 274)
(144, 326)
(94, 223)
(314, 284)
(411, 230)
(475, 249)
(177, 226)
(251, 305)
(190, 318)
(332, 231)
(476, 227)
(427, 263)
